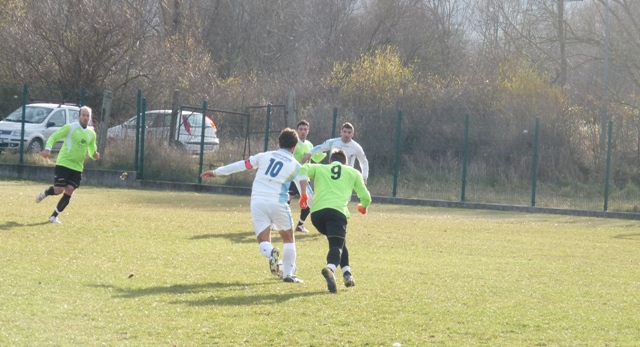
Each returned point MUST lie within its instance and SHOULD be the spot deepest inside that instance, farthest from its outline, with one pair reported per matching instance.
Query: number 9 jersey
(275, 171)
(333, 185)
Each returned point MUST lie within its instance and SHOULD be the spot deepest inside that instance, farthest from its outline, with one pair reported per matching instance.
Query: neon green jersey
(333, 185)
(77, 143)
(303, 148)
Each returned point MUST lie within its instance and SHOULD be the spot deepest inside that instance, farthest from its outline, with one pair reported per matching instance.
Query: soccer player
(334, 183)
(303, 147)
(269, 200)
(79, 140)
(345, 142)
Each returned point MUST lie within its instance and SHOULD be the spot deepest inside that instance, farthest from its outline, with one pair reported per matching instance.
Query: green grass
(425, 276)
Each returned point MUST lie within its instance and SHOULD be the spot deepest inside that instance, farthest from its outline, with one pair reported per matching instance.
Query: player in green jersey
(334, 183)
(303, 147)
(79, 140)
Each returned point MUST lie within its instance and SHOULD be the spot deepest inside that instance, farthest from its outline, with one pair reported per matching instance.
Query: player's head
(302, 128)
(338, 155)
(85, 116)
(347, 131)
(288, 139)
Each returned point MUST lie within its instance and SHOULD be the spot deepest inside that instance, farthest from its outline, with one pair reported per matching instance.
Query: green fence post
(266, 128)
(204, 116)
(335, 117)
(138, 110)
(396, 163)
(25, 91)
(83, 95)
(465, 157)
(534, 168)
(142, 131)
(608, 172)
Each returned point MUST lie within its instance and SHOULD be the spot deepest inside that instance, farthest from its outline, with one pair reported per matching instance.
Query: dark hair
(302, 122)
(338, 155)
(288, 138)
(348, 126)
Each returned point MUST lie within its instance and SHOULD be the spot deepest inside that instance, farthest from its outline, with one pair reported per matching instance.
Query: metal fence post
(204, 119)
(142, 131)
(333, 127)
(396, 163)
(137, 151)
(534, 167)
(266, 130)
(608, 171)
(465, 157)
(25, 91)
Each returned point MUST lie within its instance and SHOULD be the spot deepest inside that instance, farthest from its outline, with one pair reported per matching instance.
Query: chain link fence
(421, 155)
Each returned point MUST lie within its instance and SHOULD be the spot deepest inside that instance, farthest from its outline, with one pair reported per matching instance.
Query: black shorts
(293, 189)
(330, 222)
(66, 177)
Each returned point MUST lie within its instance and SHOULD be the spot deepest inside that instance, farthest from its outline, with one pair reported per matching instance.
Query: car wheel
(35, 146)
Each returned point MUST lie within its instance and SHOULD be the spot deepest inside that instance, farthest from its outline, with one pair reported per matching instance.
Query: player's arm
(323, 147)
(303, 179)
(232, 168)
(57, 136)
(93, 149)
(363, 194)
(364, 163)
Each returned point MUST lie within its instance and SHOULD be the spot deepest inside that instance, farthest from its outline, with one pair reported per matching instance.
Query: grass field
(146, 268)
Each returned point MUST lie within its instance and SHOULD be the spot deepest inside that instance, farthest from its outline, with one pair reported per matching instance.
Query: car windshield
(32, 114)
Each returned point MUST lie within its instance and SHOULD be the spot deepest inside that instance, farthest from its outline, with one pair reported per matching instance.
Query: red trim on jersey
(248, 165)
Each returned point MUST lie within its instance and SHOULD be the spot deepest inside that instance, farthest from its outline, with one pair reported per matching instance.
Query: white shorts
(265, 214)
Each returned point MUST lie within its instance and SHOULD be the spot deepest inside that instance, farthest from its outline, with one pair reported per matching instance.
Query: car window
(73, 115)
(195, 119)
(58, 118)
(31, 115)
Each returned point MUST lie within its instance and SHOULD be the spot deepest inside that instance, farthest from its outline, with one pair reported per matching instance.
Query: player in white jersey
(269, 196)
(345, 142)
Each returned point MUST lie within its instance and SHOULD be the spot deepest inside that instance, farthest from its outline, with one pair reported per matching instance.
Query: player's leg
(72, 180)
(294, 190)
(283, 222)
(262, 228)
(334, 224)
(349, 281)
(304, 213)
(59, 182)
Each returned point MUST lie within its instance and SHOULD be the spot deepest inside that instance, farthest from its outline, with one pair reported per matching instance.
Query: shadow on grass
(181, 289)
(249, 236)
(12, 225)
(246, 300)
(633, 236)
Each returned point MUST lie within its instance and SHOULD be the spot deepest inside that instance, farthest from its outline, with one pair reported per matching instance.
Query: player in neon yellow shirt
(334, 183)
(303, 147)
(79, 140)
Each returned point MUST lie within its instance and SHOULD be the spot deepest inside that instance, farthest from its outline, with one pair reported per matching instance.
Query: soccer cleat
(301, 228)
(331, 280)
(292, 279)
(40, 197)
(273, 261)
(54, 220)
(349, 281)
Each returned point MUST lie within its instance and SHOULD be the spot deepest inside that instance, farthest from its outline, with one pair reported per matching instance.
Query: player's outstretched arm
(208, 174)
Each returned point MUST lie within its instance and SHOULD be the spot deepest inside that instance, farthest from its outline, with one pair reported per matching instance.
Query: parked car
(189, 125)
(41, 120)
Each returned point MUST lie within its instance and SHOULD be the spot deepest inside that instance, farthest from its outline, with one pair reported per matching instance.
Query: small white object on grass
(397, 344)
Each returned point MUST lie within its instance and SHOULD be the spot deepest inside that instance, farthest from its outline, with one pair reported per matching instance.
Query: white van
(41, 120)
(157, 126)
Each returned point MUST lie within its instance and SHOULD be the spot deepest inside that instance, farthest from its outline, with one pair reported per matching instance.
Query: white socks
(289, 259)
(266, 248)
